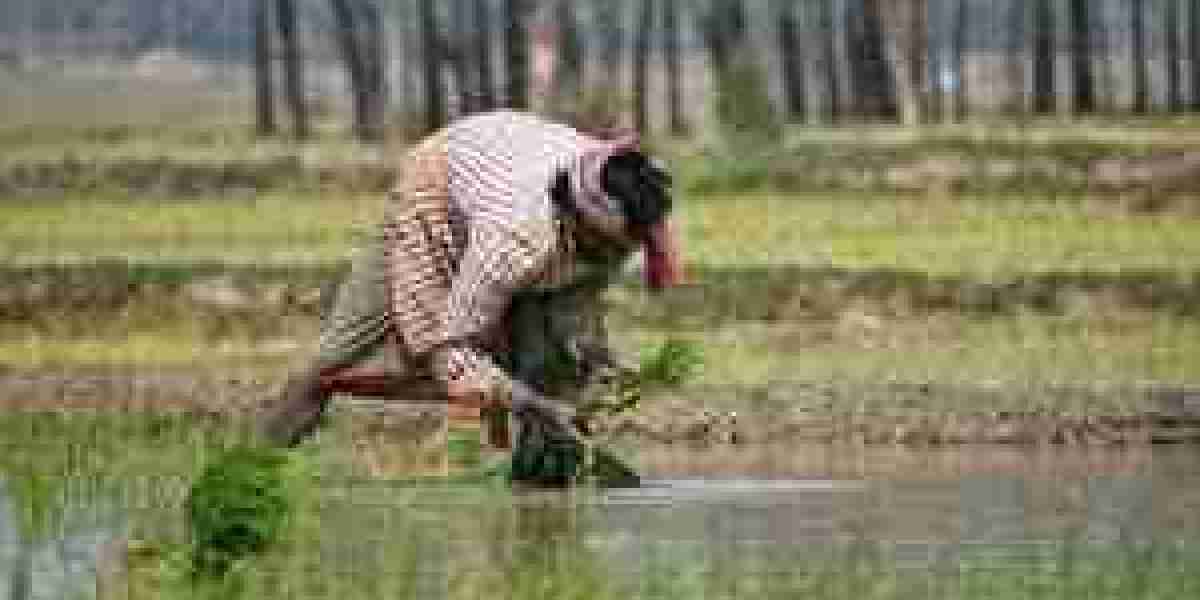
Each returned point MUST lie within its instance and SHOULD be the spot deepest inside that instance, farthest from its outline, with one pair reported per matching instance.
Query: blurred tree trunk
(791, 56)
(293, 68)
(641, 66)
(485, 92)
(1141, 78)
(1174, 93)
(832, 79)
(1194, 50)
(608, 20)
(961, 91)
(874, 81)
(516, 53)
(459, 57)
(670, 25)
(724, 31)
(264, 92)
(1043, 57)
(1081, 56)
(1015, 64)
(346, 31)
(937, 67)
(918, 51)
(852, 18)
(903, 40)
(376, 59)
(435, 93)
(743, 109)
(568, 84)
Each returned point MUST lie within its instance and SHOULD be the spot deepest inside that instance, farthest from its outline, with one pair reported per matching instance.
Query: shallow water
(923, 508)
(54, 560)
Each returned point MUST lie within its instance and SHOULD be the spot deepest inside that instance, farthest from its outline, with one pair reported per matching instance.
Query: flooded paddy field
(767, 519)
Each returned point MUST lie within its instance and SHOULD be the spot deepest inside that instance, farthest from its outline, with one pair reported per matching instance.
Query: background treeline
(662, 65)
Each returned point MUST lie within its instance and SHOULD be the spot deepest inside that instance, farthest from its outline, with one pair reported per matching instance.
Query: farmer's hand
(473, 397)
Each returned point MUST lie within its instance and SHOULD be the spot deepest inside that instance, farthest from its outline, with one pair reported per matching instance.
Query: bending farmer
(497, 243)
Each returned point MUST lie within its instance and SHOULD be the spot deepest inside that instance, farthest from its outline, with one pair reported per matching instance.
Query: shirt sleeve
(419, 277)
(498, 261)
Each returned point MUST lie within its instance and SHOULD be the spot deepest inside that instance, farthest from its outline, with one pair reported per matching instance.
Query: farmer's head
(624, 198)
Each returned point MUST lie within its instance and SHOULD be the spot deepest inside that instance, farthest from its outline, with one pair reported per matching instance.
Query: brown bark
(1194, 51)
(791, 59)
(435, 94)
(1043, 57)
(641, 67)
(516, 53)
(568, 85)
(485, 86)
(903, 45)
(264, 93)
(1141, 77)
(293, 67)
(1081, 56)
(670, 25)
(1174, 76)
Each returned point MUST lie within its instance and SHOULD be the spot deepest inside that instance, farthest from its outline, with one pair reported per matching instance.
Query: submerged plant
(238, 506)
(670, 364)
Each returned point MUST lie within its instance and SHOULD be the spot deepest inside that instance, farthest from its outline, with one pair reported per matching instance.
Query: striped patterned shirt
(471, 224)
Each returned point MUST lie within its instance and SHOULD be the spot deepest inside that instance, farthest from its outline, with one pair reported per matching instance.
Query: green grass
(266, 228)
(1023, 355)
(974, 236)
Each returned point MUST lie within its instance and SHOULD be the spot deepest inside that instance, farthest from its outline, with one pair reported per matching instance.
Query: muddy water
(925, 508)
(52, 560)
(928, 506)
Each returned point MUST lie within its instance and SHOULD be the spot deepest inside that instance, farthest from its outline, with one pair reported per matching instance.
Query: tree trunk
(608, 20)
(516, 42)
(874, 82)
(917, 52)
(1174, 93)
(377, 85)
(485, 92)
(264, 93)
(568, 85)
(724, 29)
(1081, 57)
(458, 56)
(899, 30)
(670, 25)
(356, 70)
(1015, 65)
(961, 102)
(1194, 51)
(641, 66)
(832, 79)
(791, 60)
(852, 18)
(1043, 57)
(1141, 77)
(435, 94)
(293, 68)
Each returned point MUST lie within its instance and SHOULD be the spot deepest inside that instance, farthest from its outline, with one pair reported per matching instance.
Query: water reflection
(54, 559)
(925, 508)
(931, 509)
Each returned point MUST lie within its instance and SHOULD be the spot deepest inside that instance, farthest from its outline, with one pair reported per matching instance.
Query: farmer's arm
(577, 324)
(499, 261)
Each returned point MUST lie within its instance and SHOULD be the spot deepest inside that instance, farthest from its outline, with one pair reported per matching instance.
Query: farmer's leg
(353, 330)
(543, 452)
